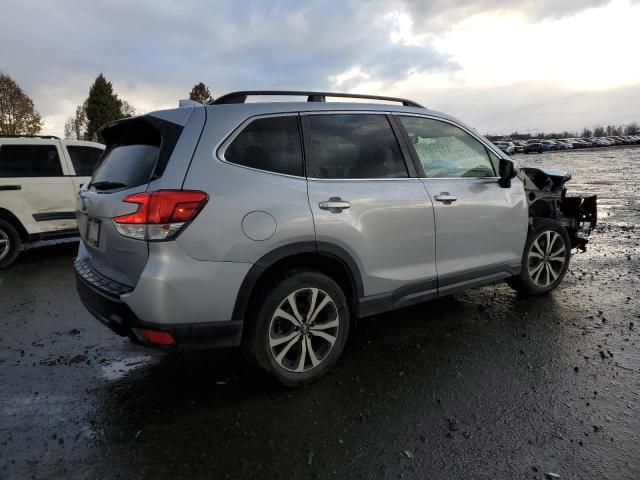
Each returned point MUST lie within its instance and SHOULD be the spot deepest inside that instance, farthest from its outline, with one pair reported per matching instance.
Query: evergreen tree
(103, 106)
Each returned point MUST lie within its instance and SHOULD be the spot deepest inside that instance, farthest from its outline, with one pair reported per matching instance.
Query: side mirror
(507, 171)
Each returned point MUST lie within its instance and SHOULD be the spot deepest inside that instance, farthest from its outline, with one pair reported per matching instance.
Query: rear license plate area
(93, 231)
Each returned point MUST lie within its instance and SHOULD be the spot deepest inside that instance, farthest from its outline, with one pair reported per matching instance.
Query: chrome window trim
(396, 179)
(481, 140)
(224, 145)
(222, 149)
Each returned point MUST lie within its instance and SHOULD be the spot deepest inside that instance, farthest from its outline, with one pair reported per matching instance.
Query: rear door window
(445, 150)
(84, 159)
(271, 143)
(343, 146)
(29, 161)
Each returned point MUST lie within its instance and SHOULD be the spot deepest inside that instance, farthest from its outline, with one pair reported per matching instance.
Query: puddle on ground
(120, 368)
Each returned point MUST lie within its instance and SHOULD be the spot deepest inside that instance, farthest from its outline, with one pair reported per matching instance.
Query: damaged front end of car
(547, 196)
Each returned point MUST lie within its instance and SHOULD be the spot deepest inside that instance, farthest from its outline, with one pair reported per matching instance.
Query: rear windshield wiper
(106, 185)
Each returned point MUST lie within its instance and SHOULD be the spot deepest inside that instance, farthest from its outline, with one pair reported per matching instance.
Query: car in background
(579, 143)
(548, 145)
(563, 145)
(519, 145)
(533, 146)
(507, 147)
(39, 178)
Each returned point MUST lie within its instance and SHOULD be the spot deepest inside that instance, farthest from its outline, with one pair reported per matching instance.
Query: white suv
(39, 178)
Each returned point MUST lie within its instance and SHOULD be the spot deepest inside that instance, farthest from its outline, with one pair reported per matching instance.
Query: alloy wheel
(5, 244)
(546, 258)
(303, 329)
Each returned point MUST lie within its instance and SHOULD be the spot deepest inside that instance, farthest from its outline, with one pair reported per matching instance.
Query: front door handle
(445, 198)
(334, 205)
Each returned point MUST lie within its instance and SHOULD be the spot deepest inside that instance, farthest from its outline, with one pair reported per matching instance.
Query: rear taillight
(161, 214)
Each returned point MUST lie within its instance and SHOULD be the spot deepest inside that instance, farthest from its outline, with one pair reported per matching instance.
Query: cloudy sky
(500, 65)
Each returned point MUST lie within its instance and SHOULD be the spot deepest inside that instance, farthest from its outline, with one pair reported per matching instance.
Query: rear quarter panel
(234, 192)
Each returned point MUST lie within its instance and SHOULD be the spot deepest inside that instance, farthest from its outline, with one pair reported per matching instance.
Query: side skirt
(430, 289)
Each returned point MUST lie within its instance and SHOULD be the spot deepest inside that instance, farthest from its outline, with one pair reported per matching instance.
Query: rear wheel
(9, 243)
(300, 327)
(545, 259)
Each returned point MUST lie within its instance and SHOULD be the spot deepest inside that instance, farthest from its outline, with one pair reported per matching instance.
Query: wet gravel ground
(485, 384)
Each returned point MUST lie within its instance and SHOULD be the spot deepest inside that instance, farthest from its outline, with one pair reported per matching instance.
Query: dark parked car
(533, 146)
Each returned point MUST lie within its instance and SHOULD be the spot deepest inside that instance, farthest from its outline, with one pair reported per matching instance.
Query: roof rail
(241, 97)
(50, 137)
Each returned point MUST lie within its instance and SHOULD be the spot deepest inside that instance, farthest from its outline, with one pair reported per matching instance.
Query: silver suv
(276, 225)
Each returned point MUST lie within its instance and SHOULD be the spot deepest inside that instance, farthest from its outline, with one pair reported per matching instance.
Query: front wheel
(545, 259)
(300, 327)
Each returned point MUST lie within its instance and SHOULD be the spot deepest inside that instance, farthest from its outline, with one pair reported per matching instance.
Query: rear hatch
(138, 155)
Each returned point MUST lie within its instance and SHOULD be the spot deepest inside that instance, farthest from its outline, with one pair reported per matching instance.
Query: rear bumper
(101, 297)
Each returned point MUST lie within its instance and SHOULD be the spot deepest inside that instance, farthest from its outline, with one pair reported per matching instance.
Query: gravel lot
(484, 384)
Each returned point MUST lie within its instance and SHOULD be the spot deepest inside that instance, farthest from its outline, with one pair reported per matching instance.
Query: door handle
(334, 205)
(445, 198)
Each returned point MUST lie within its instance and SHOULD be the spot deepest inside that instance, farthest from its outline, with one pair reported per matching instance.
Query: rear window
(29, 161)
(138, 150)
(84, 159)
(271, 144)
(126, 166)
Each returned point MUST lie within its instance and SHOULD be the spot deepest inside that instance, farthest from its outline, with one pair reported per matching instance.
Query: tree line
(597, 131)
(18, 115)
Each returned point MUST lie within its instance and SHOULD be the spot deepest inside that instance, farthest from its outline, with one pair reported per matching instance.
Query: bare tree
(632, 129)
(76, 125)
(17, 113)
(127, 109)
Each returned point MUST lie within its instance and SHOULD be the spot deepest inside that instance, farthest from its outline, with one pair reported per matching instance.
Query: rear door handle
(445, 198)
(334, 205)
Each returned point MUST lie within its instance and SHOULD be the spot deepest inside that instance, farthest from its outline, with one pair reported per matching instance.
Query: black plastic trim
(462, 277)
(281, 253)
(404, 146)
(99, 282)
(412, 151)
(45, 217)
(116, 315)
(10, 187)
(404, 296)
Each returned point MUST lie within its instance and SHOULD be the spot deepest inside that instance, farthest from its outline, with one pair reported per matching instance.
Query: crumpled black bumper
(101, 297)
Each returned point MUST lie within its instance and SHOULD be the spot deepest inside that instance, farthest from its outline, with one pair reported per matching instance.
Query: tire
(278, 338)
(534, 279)
(9, 243)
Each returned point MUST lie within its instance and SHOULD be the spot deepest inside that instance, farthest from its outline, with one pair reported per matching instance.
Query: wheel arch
(326, 258)
(11, 218)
